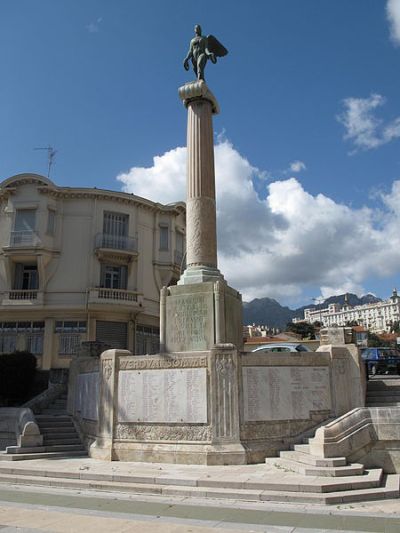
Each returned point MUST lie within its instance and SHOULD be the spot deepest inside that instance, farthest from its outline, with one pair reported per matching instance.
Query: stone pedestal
(196, 317)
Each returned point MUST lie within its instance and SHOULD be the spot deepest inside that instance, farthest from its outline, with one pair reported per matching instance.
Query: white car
(282, 347)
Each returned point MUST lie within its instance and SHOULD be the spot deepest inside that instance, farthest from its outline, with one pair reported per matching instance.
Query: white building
(376, 317)
(83, 264)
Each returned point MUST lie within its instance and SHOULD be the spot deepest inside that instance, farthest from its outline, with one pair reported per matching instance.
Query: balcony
(26, 238)
(126, 247)
(31, 297)
(100, 297)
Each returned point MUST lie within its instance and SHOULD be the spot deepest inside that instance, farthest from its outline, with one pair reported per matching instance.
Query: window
(147, 340)
(69, 335)
(24, 227)
(25, 220)
(33, 333)
(26, 277)
(113, 277)
(164, 237)
(51, 222)
(115, 224)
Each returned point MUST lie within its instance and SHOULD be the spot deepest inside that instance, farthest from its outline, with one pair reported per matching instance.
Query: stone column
(201, 232)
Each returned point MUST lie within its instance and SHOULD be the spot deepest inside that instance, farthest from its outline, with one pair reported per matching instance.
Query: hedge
(17, 371)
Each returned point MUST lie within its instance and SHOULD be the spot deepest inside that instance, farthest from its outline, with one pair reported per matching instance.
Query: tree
(17, 371)
(374, 341)
(306, 330)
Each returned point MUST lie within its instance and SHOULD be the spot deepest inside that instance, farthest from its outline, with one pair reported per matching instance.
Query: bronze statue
(201, 49)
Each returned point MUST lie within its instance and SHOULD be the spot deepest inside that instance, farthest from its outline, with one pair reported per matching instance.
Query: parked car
(381, 360)
(282, 347)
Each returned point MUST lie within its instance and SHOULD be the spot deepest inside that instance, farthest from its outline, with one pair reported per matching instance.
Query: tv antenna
(50, 156)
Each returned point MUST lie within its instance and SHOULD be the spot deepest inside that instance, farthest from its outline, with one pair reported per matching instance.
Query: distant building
(82, 264)
(376, 317)
(259, 331)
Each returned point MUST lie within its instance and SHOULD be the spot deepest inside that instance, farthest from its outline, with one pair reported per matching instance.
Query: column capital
(195, 90)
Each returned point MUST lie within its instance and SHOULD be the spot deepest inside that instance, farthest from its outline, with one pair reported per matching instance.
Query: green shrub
(17, 371)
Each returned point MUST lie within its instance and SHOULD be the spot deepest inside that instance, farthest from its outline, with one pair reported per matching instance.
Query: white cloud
(363, 128)
(297, 166)
(393, 15)
(94, 26)
(292, 240)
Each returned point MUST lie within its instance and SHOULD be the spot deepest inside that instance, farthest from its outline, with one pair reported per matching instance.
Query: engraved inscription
(189, 320)
(166, 396)
(136, 363)
(285, 393)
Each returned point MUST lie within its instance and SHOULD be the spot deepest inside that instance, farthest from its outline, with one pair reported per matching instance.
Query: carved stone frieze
(153, 432)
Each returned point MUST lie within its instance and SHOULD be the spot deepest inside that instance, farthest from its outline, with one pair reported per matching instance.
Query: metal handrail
(116, 242)
(24, 238)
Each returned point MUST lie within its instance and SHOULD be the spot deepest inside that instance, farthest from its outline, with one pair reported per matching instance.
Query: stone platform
(255, 483)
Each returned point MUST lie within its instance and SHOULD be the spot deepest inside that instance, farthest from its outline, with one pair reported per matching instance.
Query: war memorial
(202, 400)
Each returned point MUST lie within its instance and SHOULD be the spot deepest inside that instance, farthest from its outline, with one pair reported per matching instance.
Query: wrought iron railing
(68, 343)
(116, 242)
(24, 238)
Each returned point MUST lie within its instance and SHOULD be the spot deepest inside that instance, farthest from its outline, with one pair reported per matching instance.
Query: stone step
(67, 430)
(295, 483)
(395, 392)
(383, 404)
(383, 398)
(53, 412)
(311, 460)
(61, 441)
(61, 418)
(41, 455)
(64, 448)
(389, 489)
(55, 424)
(304, 448)
(354, 469)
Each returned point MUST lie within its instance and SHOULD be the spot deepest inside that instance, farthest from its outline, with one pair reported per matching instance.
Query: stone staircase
(60, 438)
(333, 479)
(383, 392)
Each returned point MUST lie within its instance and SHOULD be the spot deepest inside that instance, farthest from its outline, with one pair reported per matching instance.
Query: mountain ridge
(269, 312)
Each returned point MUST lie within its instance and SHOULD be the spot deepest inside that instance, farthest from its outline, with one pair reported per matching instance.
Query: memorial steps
(383, 392)
(60, 437)
(265, 482)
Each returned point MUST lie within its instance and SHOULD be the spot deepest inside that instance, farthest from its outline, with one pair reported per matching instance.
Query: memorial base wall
(210, 407)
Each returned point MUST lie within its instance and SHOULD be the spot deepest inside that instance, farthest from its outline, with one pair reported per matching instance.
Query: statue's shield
(215, 47)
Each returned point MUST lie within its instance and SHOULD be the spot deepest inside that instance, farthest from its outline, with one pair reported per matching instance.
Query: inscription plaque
(169, 396)
(284, 393)
(87, 395)
(190, 322)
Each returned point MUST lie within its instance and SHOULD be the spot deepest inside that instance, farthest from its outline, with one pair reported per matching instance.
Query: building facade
(376, 317)
(81, 264)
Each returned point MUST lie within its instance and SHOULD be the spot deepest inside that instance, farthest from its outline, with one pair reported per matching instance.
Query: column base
(200, 274)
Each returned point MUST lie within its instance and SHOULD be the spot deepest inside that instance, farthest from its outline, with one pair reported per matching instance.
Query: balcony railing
(24, 238)
(23, 295)
(114, 295)
(116, 242)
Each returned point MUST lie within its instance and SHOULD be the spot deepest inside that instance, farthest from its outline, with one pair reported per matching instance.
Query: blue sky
(309, 81)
